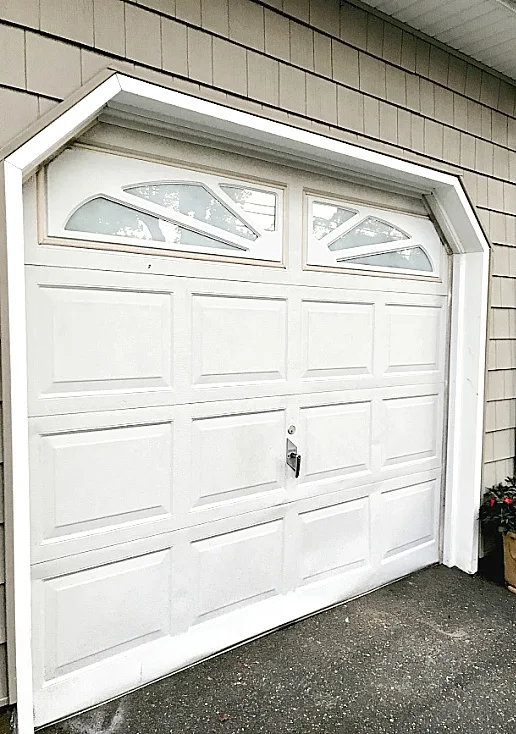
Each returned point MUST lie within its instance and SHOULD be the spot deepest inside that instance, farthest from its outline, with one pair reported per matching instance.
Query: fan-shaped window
(370, 231)
(121, 202)
(260, 204)
(327, 217)
(345, 236)
(413, 258)
(196, 201)
(103, 216)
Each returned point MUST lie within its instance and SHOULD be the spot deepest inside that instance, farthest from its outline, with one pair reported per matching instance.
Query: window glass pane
(413, 258)
(196, 201)
(261, 204)
(103, 216)
(327, 217)
(369, 232)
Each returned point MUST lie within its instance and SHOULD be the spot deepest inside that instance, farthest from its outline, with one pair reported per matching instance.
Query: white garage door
(190, 312)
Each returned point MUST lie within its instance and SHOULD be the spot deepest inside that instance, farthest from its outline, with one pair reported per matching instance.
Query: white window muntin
(80, 175)
(418, 231)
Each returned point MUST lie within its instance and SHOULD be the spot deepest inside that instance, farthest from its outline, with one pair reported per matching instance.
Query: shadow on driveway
(432, 653)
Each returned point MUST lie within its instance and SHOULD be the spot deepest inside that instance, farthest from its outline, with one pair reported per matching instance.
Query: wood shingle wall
(335, 70)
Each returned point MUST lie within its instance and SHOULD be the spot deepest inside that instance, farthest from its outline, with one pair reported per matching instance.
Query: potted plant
(498, 512)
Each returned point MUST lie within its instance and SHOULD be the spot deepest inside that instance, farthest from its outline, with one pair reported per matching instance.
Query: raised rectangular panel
(337, 440)
(408, 517)
(414, 338)
(237, 455)
(334, 539)
(238, 568)
(94, 479)
(237, 340)
(93, 614)
(410, 429)
(337, 339)
(99, 339)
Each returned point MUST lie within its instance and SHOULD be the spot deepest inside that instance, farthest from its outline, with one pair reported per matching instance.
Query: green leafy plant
(498, 508)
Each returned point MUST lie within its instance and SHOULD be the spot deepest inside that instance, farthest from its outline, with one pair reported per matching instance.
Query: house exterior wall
(335, 70)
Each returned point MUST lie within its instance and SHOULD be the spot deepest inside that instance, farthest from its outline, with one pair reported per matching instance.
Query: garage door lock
(293, 458)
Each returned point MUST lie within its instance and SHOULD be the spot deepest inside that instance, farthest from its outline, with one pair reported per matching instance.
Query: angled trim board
(131, 98)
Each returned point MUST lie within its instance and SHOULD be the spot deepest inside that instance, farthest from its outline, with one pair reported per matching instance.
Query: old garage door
(189, 312)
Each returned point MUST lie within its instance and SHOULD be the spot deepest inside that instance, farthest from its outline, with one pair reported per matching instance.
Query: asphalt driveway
(435, 652)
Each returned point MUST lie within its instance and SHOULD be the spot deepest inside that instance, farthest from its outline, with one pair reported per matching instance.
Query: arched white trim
(127, 96)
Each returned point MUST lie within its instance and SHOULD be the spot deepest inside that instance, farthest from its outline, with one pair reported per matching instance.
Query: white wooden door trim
(449, 204)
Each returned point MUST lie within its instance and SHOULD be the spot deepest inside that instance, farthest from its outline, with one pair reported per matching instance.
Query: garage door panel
(307, 387)
(338, 339)
(121, 341)
(334, 539)
(92, 480)
(238, 339)
(260, 390)
(87, 616)
(411, 430)
(104, 339)
(97, 338)
(235, 456)
(410, 518)
(414, 338)
(111, 477)
(336, 440)
(252, 559)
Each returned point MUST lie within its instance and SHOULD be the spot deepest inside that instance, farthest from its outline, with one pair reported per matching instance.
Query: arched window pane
(196, 201)
(413, 258)
(103, 216)
(371, 231)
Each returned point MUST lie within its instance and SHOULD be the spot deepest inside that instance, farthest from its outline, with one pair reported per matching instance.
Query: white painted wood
(260, 586)
(315, 365)
(16, 465)
(71, 123)
(181, 149)
(159, 409)
(461, 227)
(197, 373)
(466, 388)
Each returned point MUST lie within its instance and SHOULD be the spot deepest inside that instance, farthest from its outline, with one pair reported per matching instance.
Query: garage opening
(237, 396)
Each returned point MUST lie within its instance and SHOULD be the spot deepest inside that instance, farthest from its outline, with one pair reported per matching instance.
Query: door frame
(129, 98)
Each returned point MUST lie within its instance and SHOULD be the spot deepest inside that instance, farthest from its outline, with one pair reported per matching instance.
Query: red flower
(508, 501)
(492, 502)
